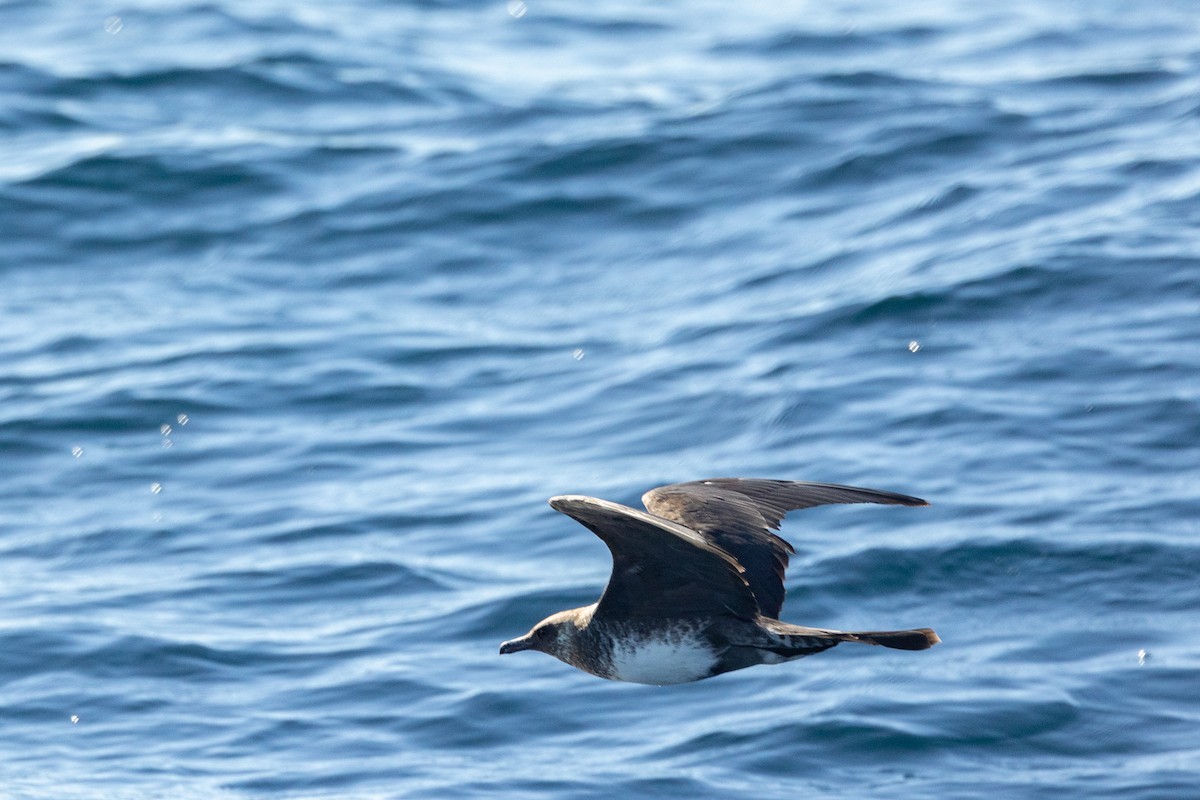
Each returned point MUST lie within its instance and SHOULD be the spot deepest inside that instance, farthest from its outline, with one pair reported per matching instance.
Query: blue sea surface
(306, 308)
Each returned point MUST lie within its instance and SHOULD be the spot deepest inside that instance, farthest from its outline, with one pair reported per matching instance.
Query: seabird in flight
(697, 583)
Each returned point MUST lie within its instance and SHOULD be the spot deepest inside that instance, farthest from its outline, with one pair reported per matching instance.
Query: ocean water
(306, 308)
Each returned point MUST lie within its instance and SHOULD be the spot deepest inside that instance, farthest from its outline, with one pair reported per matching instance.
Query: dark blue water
(305, 309)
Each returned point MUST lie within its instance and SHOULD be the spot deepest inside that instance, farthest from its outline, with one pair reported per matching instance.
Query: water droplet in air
(914, 346)
(74, 719)
(77, 452)
(578, 354)
(516, 9)
(182, 419)
(165, 430)
(155, 488)
(113, 25)
(1143, 657)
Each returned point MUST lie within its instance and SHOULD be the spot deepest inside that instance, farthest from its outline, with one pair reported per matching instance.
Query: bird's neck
(582, 616)
(575, 637)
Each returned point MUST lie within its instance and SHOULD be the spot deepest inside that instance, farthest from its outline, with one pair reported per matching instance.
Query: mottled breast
(662, 656)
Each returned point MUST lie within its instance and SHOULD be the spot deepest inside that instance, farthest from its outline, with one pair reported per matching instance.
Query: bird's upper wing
(660, 568)
(738, 514)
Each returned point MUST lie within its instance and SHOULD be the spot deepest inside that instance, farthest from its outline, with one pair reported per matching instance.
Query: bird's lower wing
(660, 568)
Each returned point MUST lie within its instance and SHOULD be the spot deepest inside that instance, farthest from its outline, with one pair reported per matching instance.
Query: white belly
(662, 661)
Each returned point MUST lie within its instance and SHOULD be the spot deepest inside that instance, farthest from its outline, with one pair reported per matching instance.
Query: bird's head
(554, 635)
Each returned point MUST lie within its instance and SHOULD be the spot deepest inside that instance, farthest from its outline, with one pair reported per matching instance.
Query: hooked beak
(516, 645)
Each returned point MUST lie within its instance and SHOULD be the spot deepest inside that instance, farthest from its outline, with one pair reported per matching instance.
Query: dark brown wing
(660, 568)
(738, 515)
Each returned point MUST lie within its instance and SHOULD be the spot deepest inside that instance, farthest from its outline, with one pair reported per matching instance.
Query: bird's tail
(917, 639)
